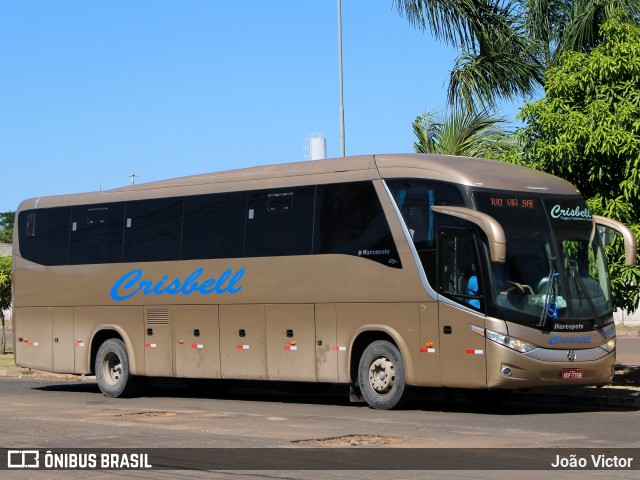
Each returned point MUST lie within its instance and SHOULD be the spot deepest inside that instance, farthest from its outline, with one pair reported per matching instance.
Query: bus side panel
(400, 321)
(125, 322)
(35, 329)
(291, 338)
(327, 349)
(429, 345)
(197, 341)
(462, 351)
(158, 342)
(63, 341)
(243, 352)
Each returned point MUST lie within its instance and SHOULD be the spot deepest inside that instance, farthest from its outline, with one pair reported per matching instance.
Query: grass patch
(7, 361)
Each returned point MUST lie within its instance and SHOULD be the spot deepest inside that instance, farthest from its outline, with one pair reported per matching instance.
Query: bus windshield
(555, 274)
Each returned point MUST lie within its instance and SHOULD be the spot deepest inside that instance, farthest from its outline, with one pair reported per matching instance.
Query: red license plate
(571, 374)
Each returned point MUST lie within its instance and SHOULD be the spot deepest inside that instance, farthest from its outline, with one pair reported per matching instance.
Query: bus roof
(473, 172)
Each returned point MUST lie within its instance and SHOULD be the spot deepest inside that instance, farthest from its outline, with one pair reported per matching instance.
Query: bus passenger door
(291, 342)
(461, 306)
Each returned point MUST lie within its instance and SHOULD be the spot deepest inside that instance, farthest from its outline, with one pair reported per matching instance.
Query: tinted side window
(415, 198)
(213, 226)
(96, 233)
(44, 235)
(152, 230)
(279, 222)
(350, 221)
(459, 277)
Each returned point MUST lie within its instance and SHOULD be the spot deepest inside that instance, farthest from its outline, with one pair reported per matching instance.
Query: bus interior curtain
(430, 227)
(402, 196)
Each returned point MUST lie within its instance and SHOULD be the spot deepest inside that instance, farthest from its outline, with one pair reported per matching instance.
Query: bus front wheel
(381, 375)
(112, 369)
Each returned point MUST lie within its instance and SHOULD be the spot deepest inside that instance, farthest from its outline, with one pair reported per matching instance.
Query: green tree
(5, 295)
(462, 132)
(507, 45)
(6, 226)
(587, 130)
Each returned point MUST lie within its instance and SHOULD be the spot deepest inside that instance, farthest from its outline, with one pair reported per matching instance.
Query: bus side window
(350, 221)
(96, 233)
(213, 226)
(459, 279)
(279, 222)
(44, 235)
(414, 199)
(152, 230)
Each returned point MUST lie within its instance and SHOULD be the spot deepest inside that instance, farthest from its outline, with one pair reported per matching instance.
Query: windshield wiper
(544, 315)
(573, 270)
(547, 313)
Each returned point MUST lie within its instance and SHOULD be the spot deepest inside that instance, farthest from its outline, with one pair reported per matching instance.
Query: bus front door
(462, 349)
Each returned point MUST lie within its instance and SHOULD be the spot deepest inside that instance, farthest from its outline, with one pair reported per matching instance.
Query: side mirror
(627, 235)
(488, 224)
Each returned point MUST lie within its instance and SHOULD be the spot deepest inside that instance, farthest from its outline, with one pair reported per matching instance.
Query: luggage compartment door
(291, 342)
(243, 353)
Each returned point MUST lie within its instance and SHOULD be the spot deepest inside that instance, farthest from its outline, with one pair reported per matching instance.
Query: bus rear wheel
(381, 375)
(112, 369)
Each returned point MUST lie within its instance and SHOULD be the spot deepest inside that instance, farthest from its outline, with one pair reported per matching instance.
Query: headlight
(513, 343)
(609, 346)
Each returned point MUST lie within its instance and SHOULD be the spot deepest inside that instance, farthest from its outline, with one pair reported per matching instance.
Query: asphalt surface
(52, 414)
(628, 350)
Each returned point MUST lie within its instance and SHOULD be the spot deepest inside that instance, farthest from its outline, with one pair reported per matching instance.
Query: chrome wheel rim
(382, 375)
(112, 368)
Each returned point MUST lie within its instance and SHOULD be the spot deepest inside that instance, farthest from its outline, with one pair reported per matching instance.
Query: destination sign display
(499, 201)
(512, 209)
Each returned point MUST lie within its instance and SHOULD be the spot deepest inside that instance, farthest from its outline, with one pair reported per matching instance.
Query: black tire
(112, 369)
(381, 376)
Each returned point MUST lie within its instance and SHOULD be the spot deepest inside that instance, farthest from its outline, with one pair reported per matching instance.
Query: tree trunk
(3, 340)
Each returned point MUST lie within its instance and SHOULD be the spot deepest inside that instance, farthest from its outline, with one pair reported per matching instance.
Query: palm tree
(462, 132)
(507, 45)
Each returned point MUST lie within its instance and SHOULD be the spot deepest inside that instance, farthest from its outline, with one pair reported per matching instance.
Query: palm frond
(582, 32)
(502, 68)
(507, 45)
(457, 22)
(462, 132)
(426, 128)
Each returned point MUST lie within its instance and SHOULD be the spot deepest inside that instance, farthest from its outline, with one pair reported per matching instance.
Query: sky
(93, 91)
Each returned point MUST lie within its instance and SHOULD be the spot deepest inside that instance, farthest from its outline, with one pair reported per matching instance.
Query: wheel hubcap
(112, 368)
(381, 375)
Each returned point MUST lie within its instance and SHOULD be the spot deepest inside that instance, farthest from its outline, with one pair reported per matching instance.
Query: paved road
(57, 414)
(628, 350)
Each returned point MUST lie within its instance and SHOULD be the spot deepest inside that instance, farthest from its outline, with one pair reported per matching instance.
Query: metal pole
(342, 148)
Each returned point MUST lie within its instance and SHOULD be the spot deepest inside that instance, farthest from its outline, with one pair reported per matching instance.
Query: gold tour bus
(382, 272)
